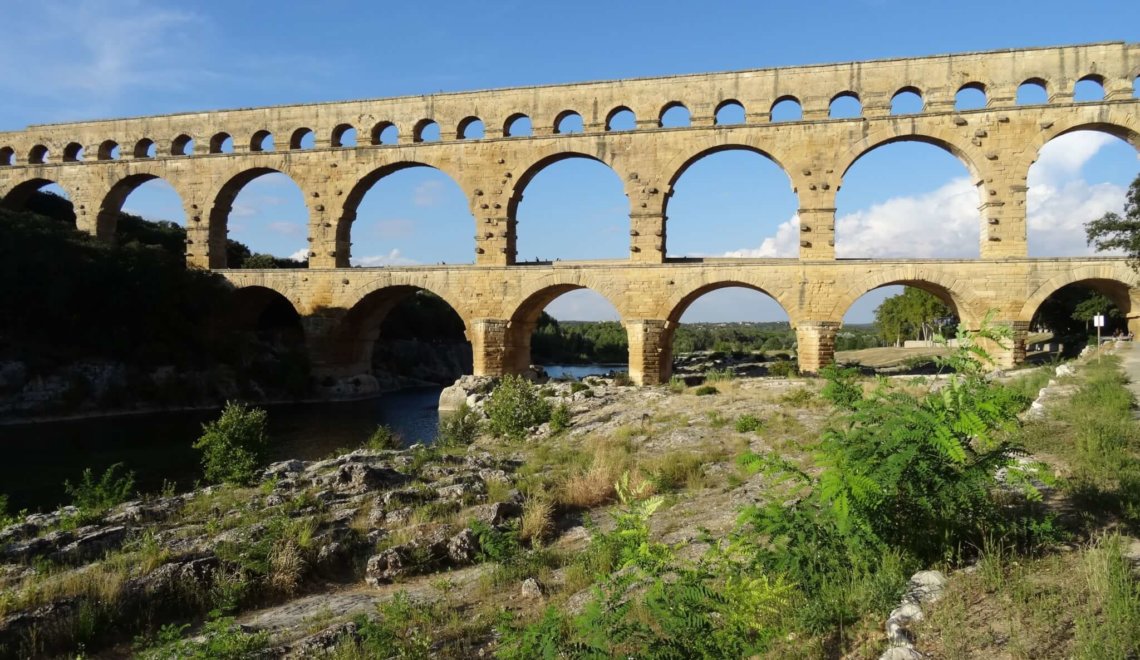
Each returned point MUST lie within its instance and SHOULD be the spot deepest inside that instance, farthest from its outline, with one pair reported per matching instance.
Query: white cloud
(941, 223)
(300, 255)
(786, 243)
(393, 258)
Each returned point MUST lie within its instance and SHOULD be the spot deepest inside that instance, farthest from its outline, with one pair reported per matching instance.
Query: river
(39, 457)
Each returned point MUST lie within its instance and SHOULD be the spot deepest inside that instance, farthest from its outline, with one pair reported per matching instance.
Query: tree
(235, 445)
(1112, 231)
(914, 312)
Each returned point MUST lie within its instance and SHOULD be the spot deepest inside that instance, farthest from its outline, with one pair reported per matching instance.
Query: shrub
(458, 428)
(234, 446)
(841, 388)
(221, 638)
(719, 375)
(5, 518)
(622, 379)
(783, 369)
(576, 387)
(747, 423)
(384, 438)
(515, 407)
(537, 520)
(676, 384)
(560, 418)
(706, 390)
(93, 497)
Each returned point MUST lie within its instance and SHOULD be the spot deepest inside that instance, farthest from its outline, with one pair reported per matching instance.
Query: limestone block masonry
(98, 164)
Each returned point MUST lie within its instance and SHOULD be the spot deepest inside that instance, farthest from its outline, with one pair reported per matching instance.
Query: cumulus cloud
(393, 258)
(300, 255)
(785, 243)
(941, 223)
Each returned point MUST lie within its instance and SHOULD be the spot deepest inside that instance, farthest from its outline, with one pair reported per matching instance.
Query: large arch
(524, 181)
(267, 312)
(18, 195)
(112, 204)
(359, 191)
(953, 293)
(223, 205)
(1114, 280)
(524, 318)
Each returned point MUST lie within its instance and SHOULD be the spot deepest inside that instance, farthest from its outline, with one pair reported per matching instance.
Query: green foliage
(706, 390)
(235, 445)
(93, 497)
(676, 384)
(576, 387)
(560, 418)
(575, 342)
(1108, 625)
(783, 369)
(384, 438)
(842, 388)
(403, 629)
(913, 313)
(515, 407)
(1113, 232)
(5, 518)
(747, 423)
(223, 639)
(458, 428)
(496, 545)
(719, 375)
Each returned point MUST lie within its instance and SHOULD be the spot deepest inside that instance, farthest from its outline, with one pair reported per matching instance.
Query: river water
(39, 457)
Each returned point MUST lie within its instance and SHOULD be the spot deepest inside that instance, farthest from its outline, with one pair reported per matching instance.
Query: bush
(706, 390)
(515, 407)
(459, 428)
(841, 388)
(577, 386)
(676, 384)
(384, 438)
(560, 418)
(94, 497)
(748, 423)
(235, 445)
(719, 375)
(783, 369)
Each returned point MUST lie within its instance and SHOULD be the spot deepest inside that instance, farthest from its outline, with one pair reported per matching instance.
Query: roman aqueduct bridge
(99, 163)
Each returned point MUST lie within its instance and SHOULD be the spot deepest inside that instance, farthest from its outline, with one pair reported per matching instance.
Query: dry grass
(537, 520)
(286, 567)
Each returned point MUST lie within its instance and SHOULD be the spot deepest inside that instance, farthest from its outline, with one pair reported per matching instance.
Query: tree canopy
(912, 314)
(1113, 231)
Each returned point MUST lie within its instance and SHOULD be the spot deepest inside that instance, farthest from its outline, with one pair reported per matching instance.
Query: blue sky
(69, 60)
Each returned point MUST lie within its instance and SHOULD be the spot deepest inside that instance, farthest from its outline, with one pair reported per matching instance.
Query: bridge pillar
(489, 339)
(817, 233)
(333, 352)
(650, 361)
(1004, 232)
(647, 237)
(815, 344)
(1011, 351)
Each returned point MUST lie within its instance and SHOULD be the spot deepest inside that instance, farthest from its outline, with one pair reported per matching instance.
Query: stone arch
(972, 86)
(844, 97)
(421, 128)
(466, 124)
(1115, 280)
(18, 194)
(340, 133)
(943, 139)
(680, 109)
(112, 203)
(677, 167)
(1111, 125)
(512, 126)
(1030, 83)
(108, 150)
(903, 92)
(376, 135)
(563, 116)
(728, 103)
(223, 204)
(183, 145)
(218, 142)
(615, 112)
(144, 148)
(261, 141)
(251, 304)
(7, 156)
(523, 318)
(297, 139)
(954, 293)
(788, 101)
(38, 155)
(365, 183)
(73, 153)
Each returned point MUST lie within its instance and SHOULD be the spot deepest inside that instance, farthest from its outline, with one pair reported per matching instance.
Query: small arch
(222, 143)
(786, 108)
(621, 118)
(675, 115)
(183, 145)
(471, 128)
(7, 156)
(845, 105)
(73, 153)
(568, 122)
(145, 148)
(1033, 91)
(385, 133)
(729, 112)
(261, 141)
(907, 101)
(38, 155)
(517, 125)
(1089, 89)
(109, 150)
(427, 130)
(344, 135)
(302, 138)
(971, 96)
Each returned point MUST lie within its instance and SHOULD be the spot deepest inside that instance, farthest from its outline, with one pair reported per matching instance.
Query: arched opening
(1077, 177)
(7, 156)
(568, 330)
(907, 101)
(404, 336)
(731, 201)
(729, 112)
(517, 125)
(1088, 89)
(471, 128)
(272, 325)
(908, 198)
(38, 155)
(146, 210)
(183, 145)
(261, 141)
(344, 135)
(44, 197)
(845, 105)
(145, 148)
(109, 150)
(385, 133)
(731, 327)
(405, 214)
(971, 96)
(1063, 323)
(303, 138)
(787, 108)
(263, 213)
(222, 143)
(1032, 92)
(621, 119)
(73, 153)
(675, 115)
(569, 122)
(894, 327)
(574, 208)
(427, 130)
